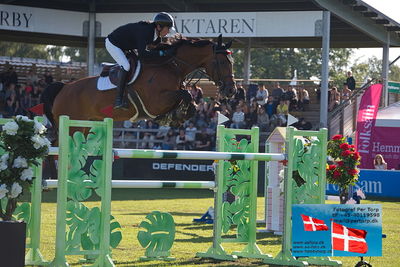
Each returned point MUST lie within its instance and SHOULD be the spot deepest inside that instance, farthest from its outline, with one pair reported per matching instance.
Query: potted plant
(22, 145)
(342, 170)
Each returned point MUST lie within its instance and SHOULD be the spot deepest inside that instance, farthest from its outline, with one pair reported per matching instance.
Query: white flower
(16, 190)
(3, 190)
(11, 128)
(4, 161)
(23, 118)
(39, 141)
(26, 174)
(20, 162)
(39, 128)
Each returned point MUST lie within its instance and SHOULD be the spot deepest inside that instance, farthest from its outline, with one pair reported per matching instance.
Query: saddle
(112, 70)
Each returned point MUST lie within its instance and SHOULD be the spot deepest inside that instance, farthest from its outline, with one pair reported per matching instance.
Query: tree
(12, 49)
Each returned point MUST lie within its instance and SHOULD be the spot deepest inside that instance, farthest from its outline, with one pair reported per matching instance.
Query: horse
(157, 92)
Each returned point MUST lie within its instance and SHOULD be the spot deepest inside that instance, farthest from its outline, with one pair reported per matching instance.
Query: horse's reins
(219, 83)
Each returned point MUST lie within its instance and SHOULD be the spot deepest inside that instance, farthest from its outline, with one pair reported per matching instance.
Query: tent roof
(389, 116)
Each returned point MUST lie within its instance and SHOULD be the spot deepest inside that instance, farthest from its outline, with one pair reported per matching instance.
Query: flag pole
(331, 237)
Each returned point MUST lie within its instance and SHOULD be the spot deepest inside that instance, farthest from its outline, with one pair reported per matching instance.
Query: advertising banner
(376, 183)
(336, 230)
(365, 123)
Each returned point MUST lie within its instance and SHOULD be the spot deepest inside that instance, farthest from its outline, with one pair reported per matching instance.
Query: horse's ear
(228, 45)
(219, 40)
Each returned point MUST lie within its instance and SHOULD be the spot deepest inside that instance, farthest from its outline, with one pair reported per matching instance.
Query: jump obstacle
(237, 173)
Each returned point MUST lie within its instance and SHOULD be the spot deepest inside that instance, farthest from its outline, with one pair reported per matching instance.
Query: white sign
(200, 24)
(42, 20)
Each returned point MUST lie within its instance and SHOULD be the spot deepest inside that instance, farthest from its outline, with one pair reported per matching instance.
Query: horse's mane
(178, 41)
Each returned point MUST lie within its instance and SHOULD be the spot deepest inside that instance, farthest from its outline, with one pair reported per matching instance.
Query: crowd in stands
(17, 98)
(254, 106)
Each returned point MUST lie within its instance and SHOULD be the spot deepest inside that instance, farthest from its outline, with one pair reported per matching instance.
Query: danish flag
(348, 239)
(312, 224)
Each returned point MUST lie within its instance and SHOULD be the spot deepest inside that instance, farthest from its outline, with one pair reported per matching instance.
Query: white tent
(389, 116)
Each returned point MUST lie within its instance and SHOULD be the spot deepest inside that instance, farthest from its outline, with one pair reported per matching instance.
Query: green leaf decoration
(95, 138)
(79, 185)
(77, 221)
(159, 235)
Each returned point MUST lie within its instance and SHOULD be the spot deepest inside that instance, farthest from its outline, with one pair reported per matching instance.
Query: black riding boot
(120, 100)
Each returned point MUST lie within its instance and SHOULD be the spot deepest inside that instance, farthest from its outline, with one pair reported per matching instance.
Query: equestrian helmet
(164, 19)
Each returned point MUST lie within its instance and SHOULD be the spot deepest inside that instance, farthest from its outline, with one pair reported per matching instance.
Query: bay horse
(158, 86)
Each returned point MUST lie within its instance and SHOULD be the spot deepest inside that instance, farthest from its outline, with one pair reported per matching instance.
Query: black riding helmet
(164, 19)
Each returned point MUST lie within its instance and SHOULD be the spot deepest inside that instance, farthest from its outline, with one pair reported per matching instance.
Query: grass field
(130, 206)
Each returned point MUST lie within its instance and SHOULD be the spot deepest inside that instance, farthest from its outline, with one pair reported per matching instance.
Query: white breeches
(118, 55)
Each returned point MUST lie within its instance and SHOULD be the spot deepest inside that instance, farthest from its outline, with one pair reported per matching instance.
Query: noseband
(220, 81)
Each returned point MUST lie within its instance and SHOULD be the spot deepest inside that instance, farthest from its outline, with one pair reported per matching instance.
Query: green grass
(131, 206)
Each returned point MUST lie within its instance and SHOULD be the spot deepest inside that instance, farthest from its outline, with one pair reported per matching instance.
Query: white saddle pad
(104, 83)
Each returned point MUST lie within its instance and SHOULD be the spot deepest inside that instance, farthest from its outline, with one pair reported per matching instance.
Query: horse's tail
(47, 98)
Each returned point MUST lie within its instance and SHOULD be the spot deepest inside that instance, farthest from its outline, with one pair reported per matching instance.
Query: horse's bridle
(219, 81)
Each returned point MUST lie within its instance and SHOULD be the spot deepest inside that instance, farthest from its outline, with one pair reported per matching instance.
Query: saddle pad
(104, 83)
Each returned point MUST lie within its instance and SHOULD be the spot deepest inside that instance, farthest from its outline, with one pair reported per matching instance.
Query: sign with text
(394, 87)
(336, 230)
(376, 183)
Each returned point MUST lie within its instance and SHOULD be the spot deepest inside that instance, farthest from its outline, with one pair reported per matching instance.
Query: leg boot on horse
(120, 100)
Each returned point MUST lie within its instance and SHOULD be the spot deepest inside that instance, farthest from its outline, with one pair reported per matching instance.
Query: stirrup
(122, 104)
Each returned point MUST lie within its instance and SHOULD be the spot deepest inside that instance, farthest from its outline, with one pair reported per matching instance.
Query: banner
(366, 118)
(336, 230)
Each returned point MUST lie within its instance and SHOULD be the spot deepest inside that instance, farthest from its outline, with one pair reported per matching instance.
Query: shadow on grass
(192, 262)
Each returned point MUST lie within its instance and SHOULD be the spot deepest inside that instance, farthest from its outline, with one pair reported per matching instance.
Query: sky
(390, 8)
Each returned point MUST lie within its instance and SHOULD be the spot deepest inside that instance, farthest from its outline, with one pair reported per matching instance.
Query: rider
(137, 36)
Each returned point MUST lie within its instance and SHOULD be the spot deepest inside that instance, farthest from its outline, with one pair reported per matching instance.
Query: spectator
(10, 77)
(10, 108)
(190, 135)
(181, 143)
(162, 132)
(35, 96)
(32, 78)
(350, 81)
(148, 137)
(282, 111)
(197, 93)
(240, 95)
(291, 97)
(203, 141)
(380, 163)
(169, 142)
(262, 95)
(48, 78)
(303, 99)
(251, 116)
(270, 107)
(238, 119)
(277, 93)
(262, 119)
(334, 98)
(346, 92)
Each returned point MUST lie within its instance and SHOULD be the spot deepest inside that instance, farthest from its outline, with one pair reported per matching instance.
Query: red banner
(366, 118)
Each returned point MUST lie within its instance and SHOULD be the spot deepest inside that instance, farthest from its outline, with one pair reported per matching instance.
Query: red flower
(332, 167)
(337, 137)
(336, 174)
(340, 163)
(346, 153)
(356, 156)
(344, 146)
(352, 146)
(352, 171)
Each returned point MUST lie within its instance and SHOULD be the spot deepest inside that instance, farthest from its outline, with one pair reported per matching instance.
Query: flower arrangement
(22, 145)
(343, 169)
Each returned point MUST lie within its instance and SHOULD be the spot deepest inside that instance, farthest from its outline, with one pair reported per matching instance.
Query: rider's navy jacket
(135, 36)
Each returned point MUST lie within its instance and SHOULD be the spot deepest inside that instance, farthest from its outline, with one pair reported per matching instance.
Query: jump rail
(151, 184)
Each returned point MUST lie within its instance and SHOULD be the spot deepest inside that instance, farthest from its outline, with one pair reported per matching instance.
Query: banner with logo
(374, 183)
(336, 230)
(366, 118)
